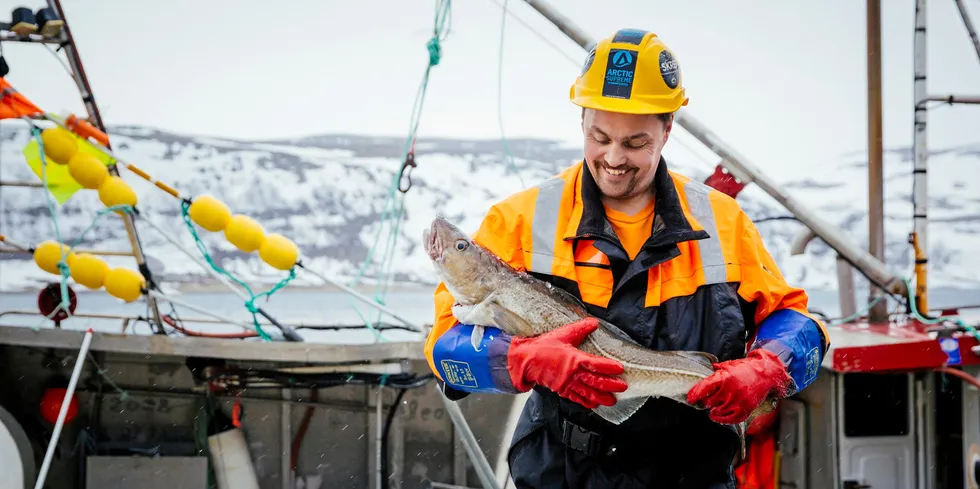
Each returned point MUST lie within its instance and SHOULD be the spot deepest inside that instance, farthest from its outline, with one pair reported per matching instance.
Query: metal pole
(78, 73)
(564, 24)
(21, 184)
(740, 166)
(60, 423)
(480, 463)
(951, 99)
(876, 187)
(969, 26)
(920, 185)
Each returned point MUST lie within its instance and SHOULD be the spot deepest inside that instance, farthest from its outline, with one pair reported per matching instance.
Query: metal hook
(409, 163)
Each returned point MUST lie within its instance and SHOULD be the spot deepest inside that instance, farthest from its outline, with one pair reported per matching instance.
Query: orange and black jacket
(702, 281)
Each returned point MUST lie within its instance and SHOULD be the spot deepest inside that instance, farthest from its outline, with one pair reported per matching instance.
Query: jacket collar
(671, 225)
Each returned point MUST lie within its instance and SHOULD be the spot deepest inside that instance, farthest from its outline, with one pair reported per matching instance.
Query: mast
(869, 266)
(920, 185)
(88, 98)
(876, 185)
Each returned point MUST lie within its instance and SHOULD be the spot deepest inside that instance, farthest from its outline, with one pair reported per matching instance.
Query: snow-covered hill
(328, 194)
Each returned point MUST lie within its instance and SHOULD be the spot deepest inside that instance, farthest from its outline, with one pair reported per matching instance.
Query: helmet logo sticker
(669, 69)
(588, 61)
(620, 68)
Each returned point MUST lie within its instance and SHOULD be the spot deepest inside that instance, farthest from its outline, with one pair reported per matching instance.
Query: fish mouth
(430, 241)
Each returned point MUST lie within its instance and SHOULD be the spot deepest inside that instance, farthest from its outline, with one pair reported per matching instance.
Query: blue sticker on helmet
(629, 36)
(620, 68)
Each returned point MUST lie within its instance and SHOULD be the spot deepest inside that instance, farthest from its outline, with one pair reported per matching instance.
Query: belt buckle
(579, 438)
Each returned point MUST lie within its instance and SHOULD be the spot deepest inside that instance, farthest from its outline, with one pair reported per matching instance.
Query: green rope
(65, 304)
(924, 320)
(250, 303)
(394, 204)
(915, 313)
(62, 264)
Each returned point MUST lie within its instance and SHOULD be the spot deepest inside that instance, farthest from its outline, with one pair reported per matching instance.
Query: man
(674, 263)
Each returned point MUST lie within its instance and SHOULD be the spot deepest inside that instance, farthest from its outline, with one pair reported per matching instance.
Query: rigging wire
(394, 205)
(500, 95)
(538, 34)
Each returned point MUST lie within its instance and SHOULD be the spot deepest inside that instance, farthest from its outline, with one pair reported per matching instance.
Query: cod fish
(489, 292)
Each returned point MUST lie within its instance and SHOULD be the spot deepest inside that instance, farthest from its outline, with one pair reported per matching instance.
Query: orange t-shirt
(634, 230)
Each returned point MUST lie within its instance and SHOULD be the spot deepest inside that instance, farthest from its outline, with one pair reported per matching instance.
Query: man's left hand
(739, 386)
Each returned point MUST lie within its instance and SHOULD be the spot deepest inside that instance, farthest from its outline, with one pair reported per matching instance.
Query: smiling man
(672, 262)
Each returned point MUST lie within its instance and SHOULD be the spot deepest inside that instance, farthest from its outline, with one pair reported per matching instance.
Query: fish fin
(616, 331)
(476, 337)
(567, 296)
(705, 359)
(506, 319)
(622, 410)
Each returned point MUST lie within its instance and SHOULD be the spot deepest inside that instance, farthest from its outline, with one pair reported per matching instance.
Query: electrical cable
(384, 436)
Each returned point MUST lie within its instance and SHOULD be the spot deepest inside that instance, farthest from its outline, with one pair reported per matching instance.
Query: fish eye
(461, 245)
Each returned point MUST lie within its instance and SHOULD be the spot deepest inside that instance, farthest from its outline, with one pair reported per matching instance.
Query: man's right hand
(553, 360)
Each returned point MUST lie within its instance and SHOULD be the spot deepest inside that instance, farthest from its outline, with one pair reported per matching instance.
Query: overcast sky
(784, 82)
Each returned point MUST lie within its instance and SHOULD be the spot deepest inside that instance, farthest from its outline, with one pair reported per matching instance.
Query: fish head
(470, 272)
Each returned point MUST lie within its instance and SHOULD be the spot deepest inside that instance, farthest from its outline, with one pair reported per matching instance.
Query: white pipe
(920, 183)
(49, 454)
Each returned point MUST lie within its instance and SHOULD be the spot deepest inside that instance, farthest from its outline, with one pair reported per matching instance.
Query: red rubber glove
(553, 360)
(739, 386)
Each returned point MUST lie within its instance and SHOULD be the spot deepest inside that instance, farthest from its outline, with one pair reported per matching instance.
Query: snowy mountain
(328, 194)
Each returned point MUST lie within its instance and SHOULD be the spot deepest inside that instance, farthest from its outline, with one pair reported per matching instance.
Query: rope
(954, 319)
(250, 303)
(394, 205)
(65, 304)
(914, 312)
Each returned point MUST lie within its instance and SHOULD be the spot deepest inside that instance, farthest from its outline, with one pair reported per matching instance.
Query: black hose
(384, 437)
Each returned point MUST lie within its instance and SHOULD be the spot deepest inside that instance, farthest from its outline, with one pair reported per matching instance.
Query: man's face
(622, 151)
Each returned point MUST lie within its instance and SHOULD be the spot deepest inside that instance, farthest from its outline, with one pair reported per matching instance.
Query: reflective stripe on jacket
(702, 281)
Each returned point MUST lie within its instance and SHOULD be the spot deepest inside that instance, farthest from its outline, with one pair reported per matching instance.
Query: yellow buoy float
(279, 252)
(89, 270)
(245, 233)
(87, 170)
(209, 213)
(124, 284)
(59, 145)
(48, 253)
(115, 191)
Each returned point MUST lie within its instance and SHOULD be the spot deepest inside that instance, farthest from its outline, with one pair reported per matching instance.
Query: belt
(584, 440)
(576, 436)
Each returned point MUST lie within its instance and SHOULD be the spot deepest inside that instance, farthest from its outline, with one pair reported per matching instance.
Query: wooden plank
(232, 349)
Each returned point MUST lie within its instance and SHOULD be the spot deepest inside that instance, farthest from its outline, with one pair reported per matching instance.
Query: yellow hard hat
(633, 72)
